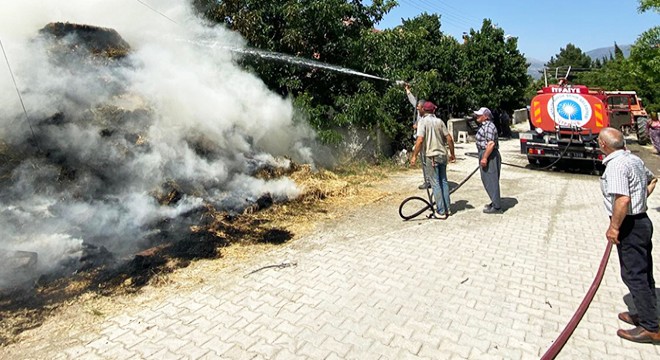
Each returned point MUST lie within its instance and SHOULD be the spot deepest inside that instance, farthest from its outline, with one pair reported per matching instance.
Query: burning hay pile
(101, 43)
(95, 171)
(125, 169)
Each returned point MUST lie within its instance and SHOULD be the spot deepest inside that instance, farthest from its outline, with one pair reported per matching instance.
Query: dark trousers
(490, 177)
(637, 267)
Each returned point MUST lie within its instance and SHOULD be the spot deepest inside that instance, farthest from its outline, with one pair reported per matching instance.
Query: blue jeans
(440, 185)
(427, 171)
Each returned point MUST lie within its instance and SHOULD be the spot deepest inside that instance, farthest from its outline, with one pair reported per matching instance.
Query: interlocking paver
(313, 351)
(80, 352)
(370, 286)
(147, 349)
(215, 346)
(165, 354)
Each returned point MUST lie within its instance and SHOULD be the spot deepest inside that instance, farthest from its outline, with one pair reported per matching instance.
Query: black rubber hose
(463, 181)
(560, 155)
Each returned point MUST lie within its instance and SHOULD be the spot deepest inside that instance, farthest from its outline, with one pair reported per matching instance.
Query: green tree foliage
(532, 88)
(570, 56)
(618, 53)
(646, 5)
(645, 55)
(645, 67)
(640, 72)
(494, 71)
(325, 30)
(488, 71)
(322, 30)
(419, 53)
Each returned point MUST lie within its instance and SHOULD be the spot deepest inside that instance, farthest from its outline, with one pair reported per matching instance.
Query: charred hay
(86, 39)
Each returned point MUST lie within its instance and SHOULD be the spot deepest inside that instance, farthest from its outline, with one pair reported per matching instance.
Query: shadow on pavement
(461, 205)
(508, 203)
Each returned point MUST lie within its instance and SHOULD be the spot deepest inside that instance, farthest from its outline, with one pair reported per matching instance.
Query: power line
(455, 14)
(447, 18)
(411, 3)
(19, 95)
(458, 11)
(451, 16)
(156, 11)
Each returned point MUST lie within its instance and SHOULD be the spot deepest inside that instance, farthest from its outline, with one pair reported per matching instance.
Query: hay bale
(96, 40)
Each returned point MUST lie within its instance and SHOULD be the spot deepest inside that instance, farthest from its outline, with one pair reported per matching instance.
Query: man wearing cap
(434, 138)
(490, 160)
(626, 184)
(426, 170)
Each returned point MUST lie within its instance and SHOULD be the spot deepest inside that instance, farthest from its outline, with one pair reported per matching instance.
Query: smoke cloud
(105, 136)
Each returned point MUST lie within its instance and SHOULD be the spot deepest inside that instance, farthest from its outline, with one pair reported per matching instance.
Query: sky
(542, 27)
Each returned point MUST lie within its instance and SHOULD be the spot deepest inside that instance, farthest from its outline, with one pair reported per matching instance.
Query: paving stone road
(371, 286)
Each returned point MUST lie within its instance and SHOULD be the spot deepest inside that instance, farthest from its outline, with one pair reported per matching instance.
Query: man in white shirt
(626, 184)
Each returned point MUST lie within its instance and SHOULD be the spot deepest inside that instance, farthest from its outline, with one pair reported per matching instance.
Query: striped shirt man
(626, 184)
(626, 175)
(487, 132)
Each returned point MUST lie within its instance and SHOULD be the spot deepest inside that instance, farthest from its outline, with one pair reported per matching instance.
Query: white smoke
(107, 137)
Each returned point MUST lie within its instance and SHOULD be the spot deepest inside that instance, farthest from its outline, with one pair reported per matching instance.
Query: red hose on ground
(561, 340)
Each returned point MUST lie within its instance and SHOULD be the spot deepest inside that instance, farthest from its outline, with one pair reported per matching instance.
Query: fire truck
(565, 121)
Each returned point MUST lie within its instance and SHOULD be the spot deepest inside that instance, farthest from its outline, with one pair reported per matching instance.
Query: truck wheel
(531, 160)
(642, 133)
(625, 130)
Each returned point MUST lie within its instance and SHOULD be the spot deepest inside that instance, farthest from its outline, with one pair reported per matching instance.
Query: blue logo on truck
(569, 110)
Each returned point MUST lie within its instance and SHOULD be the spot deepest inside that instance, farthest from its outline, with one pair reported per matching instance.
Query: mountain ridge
(536, 66)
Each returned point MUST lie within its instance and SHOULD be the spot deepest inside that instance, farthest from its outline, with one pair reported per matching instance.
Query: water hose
(561, 340)
(561, 155)
(463, 181)
(563, 337)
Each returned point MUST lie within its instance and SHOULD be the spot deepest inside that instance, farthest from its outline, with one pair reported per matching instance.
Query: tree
(342, 33)
(597, 64)
(645, 59)
(640, 72)
(494, 70)
(618, 53)
(646, 5)
(418, 52)
(570, 56)
(323, 30)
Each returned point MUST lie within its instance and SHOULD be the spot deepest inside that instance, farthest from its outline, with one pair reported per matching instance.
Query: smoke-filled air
(109, 129)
